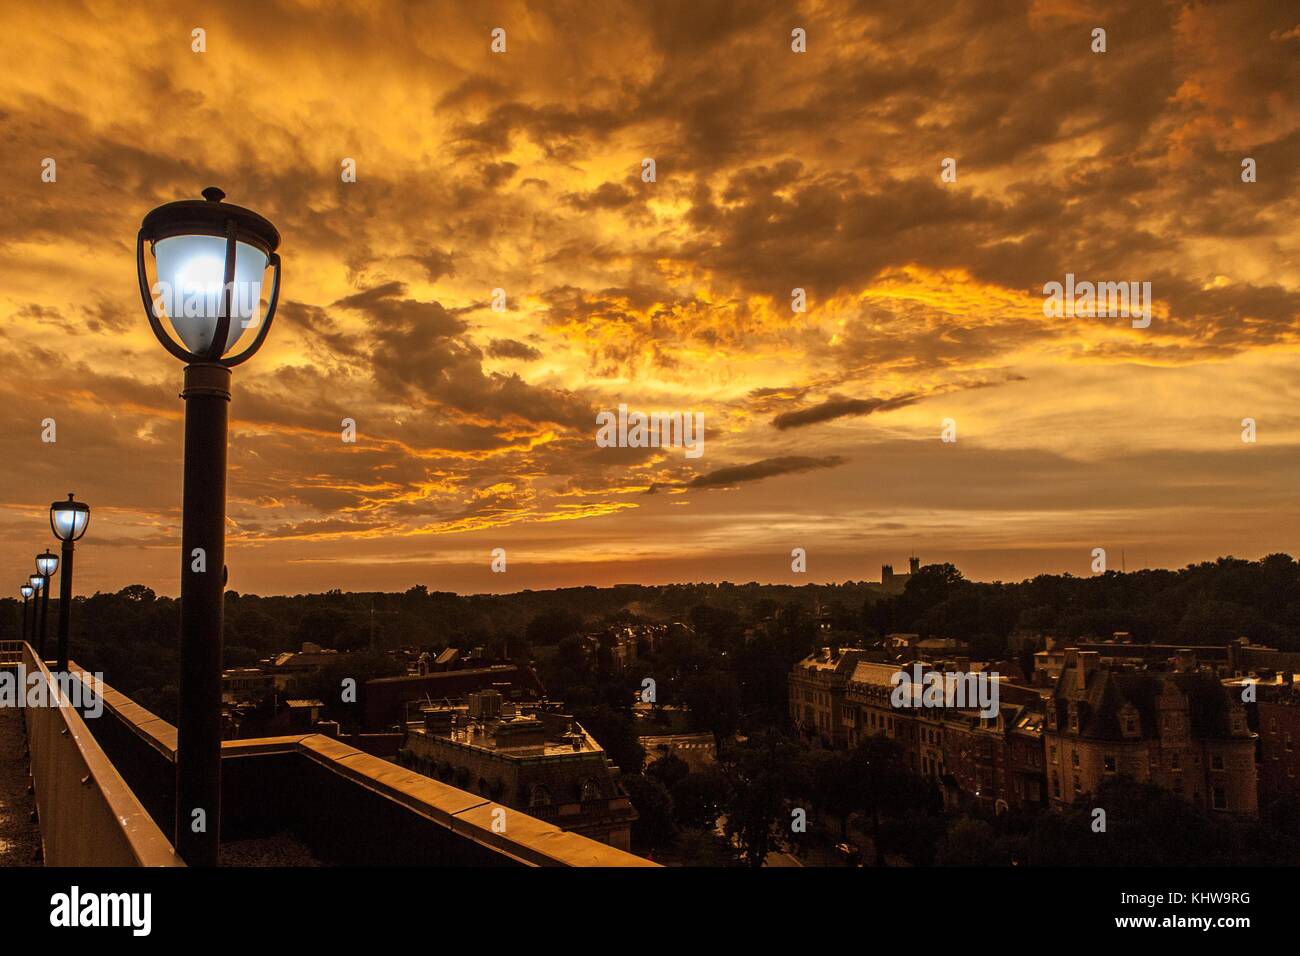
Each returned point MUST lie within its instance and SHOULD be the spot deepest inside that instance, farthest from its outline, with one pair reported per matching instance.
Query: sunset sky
(775, 170)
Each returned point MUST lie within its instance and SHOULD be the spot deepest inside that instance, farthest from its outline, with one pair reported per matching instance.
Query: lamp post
(26, 591)
(69, 520)
(37, 584)
(46, 563)
(211, 258)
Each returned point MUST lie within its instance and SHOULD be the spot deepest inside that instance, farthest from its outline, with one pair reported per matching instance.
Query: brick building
(384, 699)
(1278, 720)
(995, 760)
(817, 685)
(528, 757)
(1181, 730)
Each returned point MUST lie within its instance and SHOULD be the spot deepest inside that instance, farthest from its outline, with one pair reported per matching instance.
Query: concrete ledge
(89, 816)
(527, 840)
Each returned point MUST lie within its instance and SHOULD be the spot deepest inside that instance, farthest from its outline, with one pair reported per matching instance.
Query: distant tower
(886, 572)
(913, 565)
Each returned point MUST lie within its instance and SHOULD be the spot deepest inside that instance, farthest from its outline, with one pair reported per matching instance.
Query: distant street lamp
(69, 520)
(38, 586)
(27, 591)
(46, 563)
(210, 258)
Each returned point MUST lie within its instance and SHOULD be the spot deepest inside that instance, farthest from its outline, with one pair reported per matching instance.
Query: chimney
(1086, 662)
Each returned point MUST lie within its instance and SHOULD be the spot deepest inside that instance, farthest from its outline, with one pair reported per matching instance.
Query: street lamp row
(210, 258)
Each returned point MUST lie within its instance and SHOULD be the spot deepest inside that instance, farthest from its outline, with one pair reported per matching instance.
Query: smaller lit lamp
(69, 519)
(46, 563)
(26, 591)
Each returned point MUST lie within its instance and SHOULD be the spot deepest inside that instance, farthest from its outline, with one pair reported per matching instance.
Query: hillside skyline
(795, 581)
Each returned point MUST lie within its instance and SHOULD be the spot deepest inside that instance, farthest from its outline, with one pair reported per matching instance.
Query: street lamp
(46, 563)
(210, 259)
(40, 585)
(69, 520)
(26, 591)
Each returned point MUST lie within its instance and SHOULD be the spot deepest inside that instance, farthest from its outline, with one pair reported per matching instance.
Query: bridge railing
(88, 816)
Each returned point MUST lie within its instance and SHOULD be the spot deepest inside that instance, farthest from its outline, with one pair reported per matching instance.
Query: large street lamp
(46, 563)
(26, 591)
(69, 520)
(210, 259)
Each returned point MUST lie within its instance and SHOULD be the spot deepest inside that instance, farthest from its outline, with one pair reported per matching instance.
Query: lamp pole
(203, 555)
(26, 591)
(47, 564)
(65, 603)
(205, 251)
(45, 613)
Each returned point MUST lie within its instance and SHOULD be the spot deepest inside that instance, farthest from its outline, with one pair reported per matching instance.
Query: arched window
(540, 796)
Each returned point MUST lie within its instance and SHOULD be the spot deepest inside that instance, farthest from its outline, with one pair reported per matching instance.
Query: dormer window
(1129, 723)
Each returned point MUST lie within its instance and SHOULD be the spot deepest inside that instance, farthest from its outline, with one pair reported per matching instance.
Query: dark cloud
(836, 407)
(511, 349)
(767, 468)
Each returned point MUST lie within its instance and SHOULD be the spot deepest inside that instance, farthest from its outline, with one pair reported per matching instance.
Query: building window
(1078, 788)
(1130, 725)
(1056, 786)
(1220, 798)
(1074, 758)
(1287, 740)
(1108, 763)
